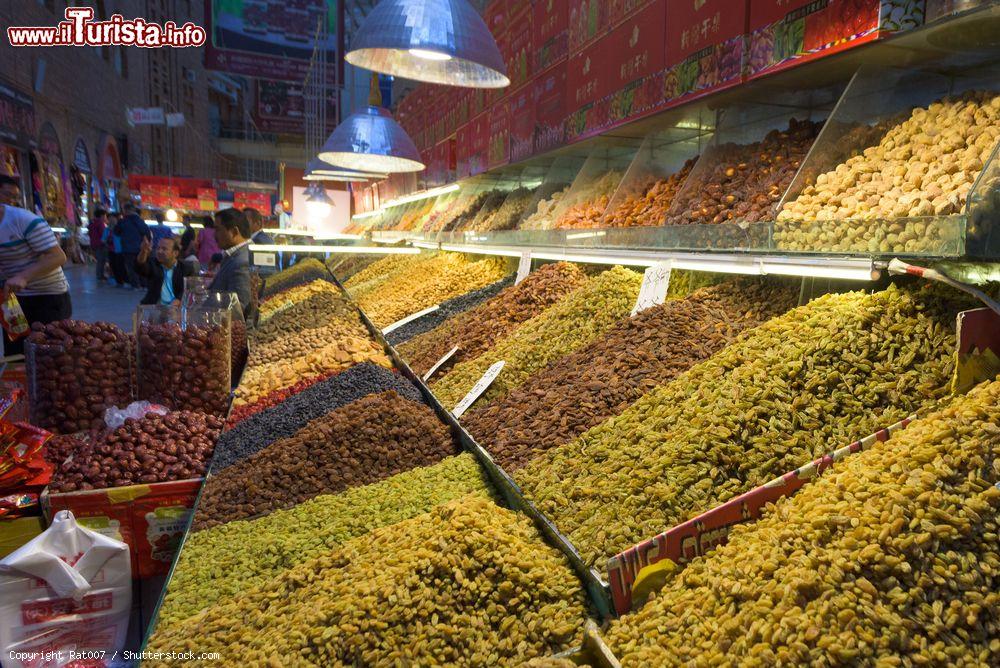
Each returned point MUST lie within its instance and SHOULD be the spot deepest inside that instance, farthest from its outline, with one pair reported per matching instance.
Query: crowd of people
(130, 254)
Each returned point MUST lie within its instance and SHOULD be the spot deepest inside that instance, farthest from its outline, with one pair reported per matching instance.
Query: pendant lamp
(318, 203)
(436, 41)
(370, 140)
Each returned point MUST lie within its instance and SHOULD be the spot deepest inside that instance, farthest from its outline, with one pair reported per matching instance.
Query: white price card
(480, 387)
(655, 283)
(523, 267)
(264, 259)
(410, 318)
(440, 362)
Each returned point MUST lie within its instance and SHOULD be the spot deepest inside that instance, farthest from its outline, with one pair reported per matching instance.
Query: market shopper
(257, 233)
(31, 262)
(10, 190)
(132, 230)
(207, 244)
(113, 242)
(98, 225)
(160, 229)
(164, 275)
(232, 232)
(188, 238)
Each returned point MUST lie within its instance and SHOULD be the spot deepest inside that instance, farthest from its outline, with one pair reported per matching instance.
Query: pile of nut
(347, 266)
(568, 325)
(467, 584)
(589, 203)
(357, 444)
(649, 207)
(791, 390)
(889, 559)
(300, 343)
(447, 275)
(259, 381)
(313, 312)
(303, 271)
(875, 201)
(491, 204)
(478, 329)
(510, 212)
(283, 420)
(223, 561)
(599, 381)
(77, 370)
(186, 368)
(154, 448)
(747, 181)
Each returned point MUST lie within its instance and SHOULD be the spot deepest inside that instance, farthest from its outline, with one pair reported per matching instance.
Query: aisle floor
(93, 301)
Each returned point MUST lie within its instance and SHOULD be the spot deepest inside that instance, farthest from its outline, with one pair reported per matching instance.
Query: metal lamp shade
(370, 140)
(317, 170)
(437, 41)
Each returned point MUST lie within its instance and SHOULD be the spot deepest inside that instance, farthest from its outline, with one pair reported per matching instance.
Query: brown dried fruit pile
(600, 380)
(477, 329)
(357, 444)
(302, 342)
(294, 295)
(559, 330)
(467, 584)
(649, 208)
(314, 311)
(800, 385)
(890, 559)
(745, 182)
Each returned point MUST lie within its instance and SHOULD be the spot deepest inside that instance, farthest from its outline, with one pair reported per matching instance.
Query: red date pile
(76, 370)
(185, 368)
(154, 448)
(358, 444)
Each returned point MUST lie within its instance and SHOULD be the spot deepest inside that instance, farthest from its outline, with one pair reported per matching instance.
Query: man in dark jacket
(165, 275)
(232, 233)
(131, 230)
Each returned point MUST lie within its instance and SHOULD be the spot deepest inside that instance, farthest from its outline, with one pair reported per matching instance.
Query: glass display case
(893, 169)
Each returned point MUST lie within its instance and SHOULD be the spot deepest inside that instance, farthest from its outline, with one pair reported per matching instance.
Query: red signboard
(479, 136)
(518, 55)
(588, 20)
(783, 33)
(623, 9)
(549, 91)
(496, 16)
(705, 46)
(463, 151)
(636, 47)
(281, 107)
(498, 141)
(270, 39)
(521, 110)
(549, 32)
(588, 77)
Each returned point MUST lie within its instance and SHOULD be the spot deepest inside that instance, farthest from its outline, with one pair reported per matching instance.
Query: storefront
(17, 129)
(50, 179)
(81, 177)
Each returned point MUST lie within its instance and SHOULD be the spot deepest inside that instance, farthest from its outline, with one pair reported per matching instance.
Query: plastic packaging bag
(67, 590)
(115, 417)
(13, 319)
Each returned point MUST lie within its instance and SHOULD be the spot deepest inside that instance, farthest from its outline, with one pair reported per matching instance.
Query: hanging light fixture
(317, 170)
(318, 203)
(436, 41)
(370, 140)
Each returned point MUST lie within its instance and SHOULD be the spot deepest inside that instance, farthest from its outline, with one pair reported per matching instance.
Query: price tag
(264, 259)
(480, 387)
(440, 363)
(410, 318)
(655, 282)
(523, 267)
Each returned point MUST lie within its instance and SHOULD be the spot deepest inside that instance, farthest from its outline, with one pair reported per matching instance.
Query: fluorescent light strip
(288, 233)
(345, 250)
(585, 235)
(846, 272)
(366, 214)
(337, 236)
(427, 194)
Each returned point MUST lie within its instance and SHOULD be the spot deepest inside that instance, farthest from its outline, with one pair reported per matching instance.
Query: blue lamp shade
(317, 170)
(437, 41)
(370, 140)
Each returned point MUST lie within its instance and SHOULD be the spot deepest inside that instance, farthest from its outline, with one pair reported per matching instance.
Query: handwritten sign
(523, 267)
(410, 318)
(447, 356)
(655, 283)
(477, 390)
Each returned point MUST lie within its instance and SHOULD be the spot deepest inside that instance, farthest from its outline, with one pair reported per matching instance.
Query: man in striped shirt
(31, 267)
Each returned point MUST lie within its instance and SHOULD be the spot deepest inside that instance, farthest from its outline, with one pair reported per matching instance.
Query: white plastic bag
(65, 596)
(115, 417)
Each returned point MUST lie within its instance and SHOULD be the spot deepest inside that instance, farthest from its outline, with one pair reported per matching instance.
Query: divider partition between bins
(597, 590)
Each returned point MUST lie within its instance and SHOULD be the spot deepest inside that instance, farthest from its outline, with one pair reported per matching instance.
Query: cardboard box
(151, 519)
(549, 93)
(16, 532)
(549, 33)
(707, 531)
(498, 141)
(785, 33)
(705, 44)
(521, 111)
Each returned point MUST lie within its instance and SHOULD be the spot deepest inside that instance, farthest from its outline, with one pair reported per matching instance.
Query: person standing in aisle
(165, 275)
(160, 230)
(232, 232)
(257, 233)
(188, 238)
(207, 245)
(113, 242)
(98, 225)
(31, 262)
(132, 230)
